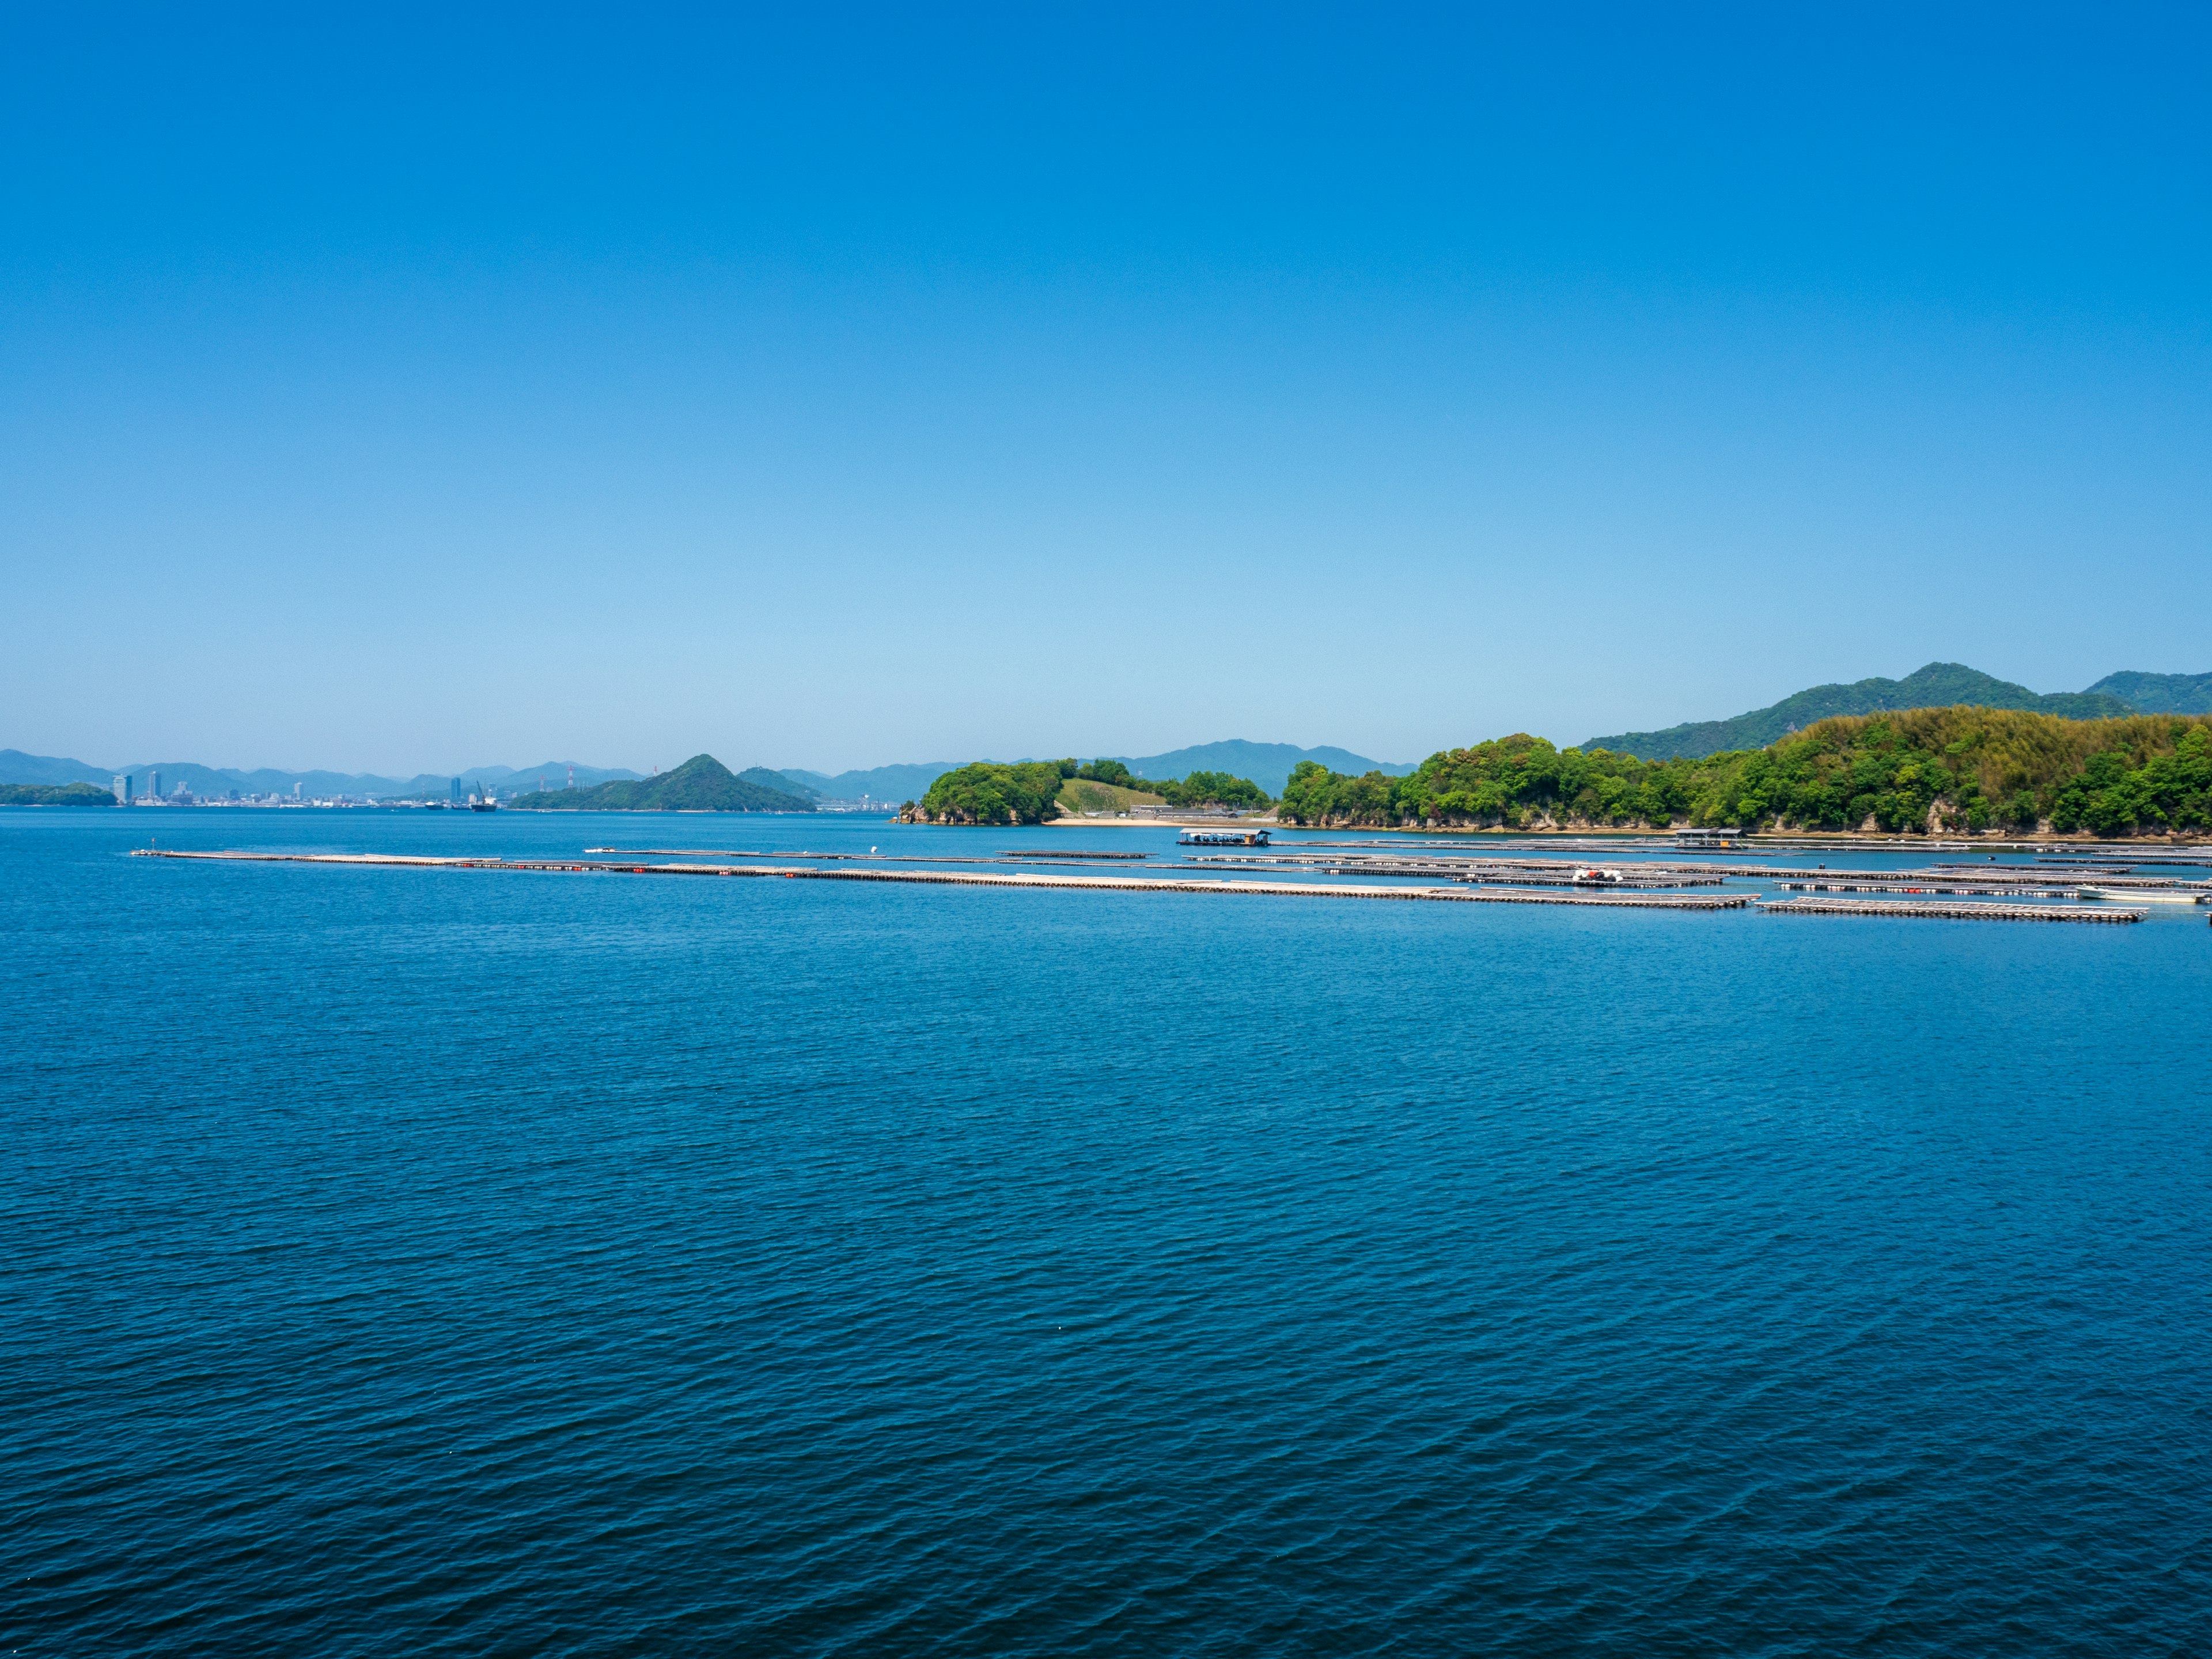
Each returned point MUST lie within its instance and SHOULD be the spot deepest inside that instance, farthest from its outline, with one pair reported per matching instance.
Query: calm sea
(418, 1262)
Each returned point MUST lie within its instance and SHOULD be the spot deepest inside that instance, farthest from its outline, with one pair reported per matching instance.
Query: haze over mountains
(891, 783)
(16, 767)
(1267, 764)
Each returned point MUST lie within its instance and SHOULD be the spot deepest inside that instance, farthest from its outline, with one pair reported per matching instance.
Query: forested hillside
(1936, 685)
(1955, 769)
(2160, 693)
(54, 795)
(702, 784)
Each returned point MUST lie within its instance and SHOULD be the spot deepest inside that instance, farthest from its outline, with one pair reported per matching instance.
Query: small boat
(1222, 838)
(2137, 897)
(1597, 875)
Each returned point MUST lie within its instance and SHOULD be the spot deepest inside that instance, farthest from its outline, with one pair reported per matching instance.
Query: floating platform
(1129, 884)
(1824, 906)
(1947, 889)
(1065, 852)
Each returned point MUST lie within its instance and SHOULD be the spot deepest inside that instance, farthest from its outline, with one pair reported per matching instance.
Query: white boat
(2134, 897)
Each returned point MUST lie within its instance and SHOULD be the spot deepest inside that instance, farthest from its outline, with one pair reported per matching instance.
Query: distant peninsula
(702, 784)
(54, 795)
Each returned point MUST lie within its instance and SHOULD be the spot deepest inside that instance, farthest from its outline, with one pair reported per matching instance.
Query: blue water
(420, 1261)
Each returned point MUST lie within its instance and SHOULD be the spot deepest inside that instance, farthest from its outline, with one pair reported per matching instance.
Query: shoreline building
(121, 787)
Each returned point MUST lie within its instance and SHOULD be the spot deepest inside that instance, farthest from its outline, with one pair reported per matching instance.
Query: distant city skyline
(840, 390)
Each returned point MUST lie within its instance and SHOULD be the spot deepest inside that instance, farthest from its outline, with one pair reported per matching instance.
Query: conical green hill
(702, 784)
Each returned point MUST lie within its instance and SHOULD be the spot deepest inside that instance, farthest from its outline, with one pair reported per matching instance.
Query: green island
(54, 795)
(1954, 770)
(702, 784)
(1038, 792)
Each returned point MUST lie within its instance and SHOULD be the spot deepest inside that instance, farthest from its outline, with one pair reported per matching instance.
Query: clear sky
(387, 388)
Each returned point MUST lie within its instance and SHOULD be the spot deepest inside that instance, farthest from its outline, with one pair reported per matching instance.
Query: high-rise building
(123, 789)
(457, 792)
(295, 789)
(154, 785)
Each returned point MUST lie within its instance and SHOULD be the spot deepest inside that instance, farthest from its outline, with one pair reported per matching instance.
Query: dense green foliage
(987, 791)
(1952, 769)
(1508, 782)
(1977, 768)
(702, 784)
(54, 795)
(2161, 792)
(1211, 789)
(1315, 795)
(984, 791)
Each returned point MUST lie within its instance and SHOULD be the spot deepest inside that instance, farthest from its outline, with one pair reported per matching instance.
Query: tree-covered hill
(2160, 693)
(54, 795)
(702, 784)
(1957, 770)
(985, 792)
(1938, 685)
(1037, 792)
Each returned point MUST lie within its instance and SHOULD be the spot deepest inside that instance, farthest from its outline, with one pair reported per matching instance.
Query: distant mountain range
(888, 783)
(763, 778)
(16, 767)
(1940, 684)
(2160, 693)
(1267, 764)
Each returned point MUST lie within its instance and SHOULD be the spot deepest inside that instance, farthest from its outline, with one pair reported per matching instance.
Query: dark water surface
(400, 1261)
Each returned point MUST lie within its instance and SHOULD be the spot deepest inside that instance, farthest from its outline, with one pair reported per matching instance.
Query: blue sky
(394, 389)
